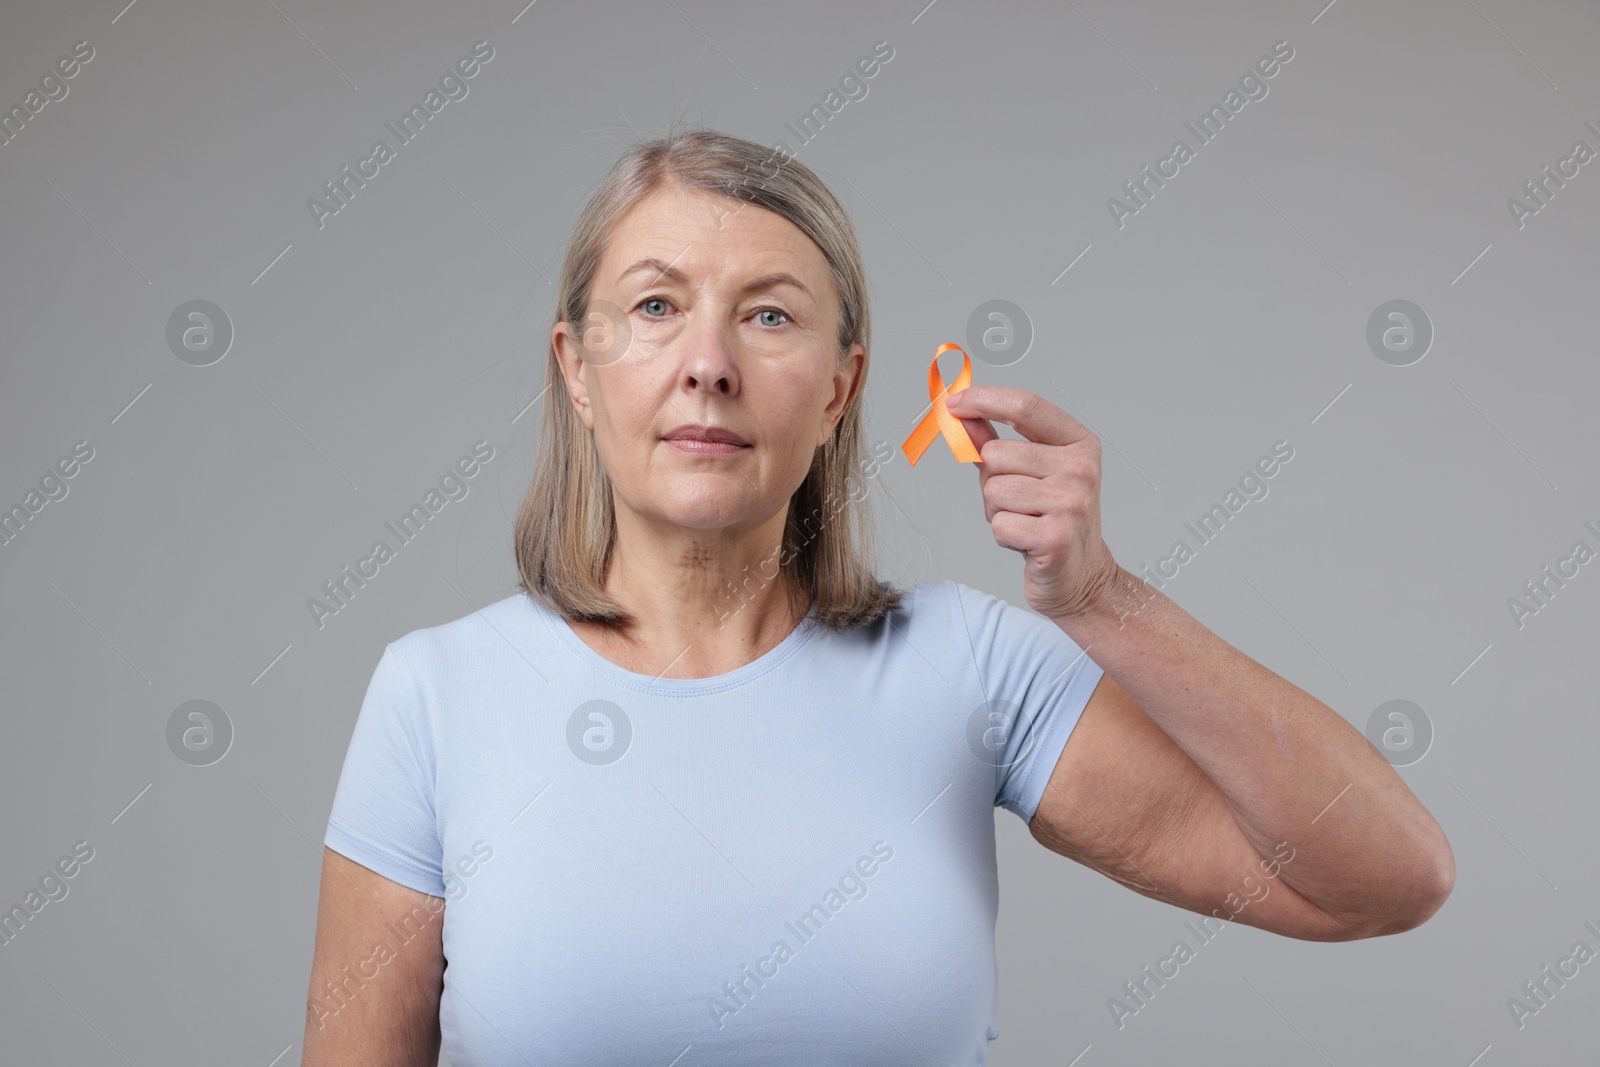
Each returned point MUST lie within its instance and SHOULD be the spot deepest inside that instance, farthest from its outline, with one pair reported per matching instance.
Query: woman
(706, 788)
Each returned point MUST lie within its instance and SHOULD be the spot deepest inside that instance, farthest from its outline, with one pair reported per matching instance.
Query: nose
(709, 358)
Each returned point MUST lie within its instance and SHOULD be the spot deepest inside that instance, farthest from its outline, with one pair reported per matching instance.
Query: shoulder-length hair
(566, 530)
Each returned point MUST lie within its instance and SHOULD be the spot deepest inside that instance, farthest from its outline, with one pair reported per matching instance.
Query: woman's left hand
(1041, 496)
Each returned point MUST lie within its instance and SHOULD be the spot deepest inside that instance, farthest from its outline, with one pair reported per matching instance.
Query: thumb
(978, 429)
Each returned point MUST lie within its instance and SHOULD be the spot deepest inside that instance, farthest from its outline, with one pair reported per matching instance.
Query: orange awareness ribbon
(939, 420)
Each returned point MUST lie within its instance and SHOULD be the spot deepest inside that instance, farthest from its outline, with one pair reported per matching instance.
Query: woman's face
(710, 312)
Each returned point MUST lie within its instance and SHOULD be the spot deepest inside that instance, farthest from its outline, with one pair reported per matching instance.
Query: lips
(708, 434)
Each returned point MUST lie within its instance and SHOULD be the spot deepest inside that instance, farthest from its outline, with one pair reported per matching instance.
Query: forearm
(1290, 767)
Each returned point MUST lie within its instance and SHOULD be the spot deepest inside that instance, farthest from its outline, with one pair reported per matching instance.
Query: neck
(713, 592)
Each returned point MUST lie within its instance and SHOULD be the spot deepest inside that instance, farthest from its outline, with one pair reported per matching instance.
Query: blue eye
(652, 300)
(774, 311)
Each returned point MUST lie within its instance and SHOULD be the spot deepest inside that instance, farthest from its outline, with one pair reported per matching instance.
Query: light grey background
(1229, 313)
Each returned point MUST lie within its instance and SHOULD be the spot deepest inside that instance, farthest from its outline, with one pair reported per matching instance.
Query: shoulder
(508, 627)
(937, 617)
(941, 603)
(966, 610)
(1006, 638)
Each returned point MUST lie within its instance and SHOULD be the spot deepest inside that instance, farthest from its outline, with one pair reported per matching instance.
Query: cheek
(631, 405)
(792, 411)
(615, 437)
(625, 405)
(800, 388)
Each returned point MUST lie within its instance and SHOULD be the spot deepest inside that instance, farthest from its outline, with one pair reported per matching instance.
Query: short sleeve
(1036, 682)
(383, 811)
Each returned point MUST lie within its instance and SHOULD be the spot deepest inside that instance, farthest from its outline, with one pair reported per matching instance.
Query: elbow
(1431, 888)
(1436, 888)
(1424, 894)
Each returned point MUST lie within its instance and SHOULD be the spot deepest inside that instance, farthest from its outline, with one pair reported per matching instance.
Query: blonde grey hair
(566, 531)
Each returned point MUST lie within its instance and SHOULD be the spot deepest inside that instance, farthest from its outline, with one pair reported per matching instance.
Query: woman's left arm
(1269, 762)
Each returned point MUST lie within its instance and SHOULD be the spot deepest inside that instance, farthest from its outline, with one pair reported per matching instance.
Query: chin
(704, 518)
(704, 511)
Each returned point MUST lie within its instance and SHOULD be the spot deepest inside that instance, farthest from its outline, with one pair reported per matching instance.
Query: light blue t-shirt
(789, 864)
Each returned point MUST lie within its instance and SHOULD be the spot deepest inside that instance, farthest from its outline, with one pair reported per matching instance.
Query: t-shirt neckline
(645, 683)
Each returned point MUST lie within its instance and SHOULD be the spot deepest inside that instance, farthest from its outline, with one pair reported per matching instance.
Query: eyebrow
(672, 274)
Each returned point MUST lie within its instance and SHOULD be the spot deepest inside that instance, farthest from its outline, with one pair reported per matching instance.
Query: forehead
(706, 233)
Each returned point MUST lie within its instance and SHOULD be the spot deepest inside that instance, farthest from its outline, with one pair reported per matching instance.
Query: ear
(846, 381)
(573, 370)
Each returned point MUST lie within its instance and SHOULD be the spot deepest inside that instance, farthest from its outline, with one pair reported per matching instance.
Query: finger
(980, 431)
(1024, 457)
(1016, 493)
(1029, 414)
(1020, 533)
